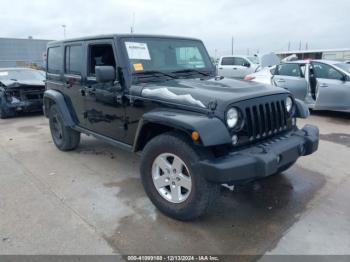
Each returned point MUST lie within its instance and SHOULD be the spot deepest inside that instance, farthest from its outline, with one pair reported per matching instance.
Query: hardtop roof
(109, 36)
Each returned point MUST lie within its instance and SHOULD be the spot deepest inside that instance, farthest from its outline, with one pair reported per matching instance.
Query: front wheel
(169, 179)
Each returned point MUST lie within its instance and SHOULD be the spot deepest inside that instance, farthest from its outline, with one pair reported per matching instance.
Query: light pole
(64, 31)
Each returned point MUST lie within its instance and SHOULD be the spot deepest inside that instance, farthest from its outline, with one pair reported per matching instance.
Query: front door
(290, 77)
(104, 113)
(333, 88)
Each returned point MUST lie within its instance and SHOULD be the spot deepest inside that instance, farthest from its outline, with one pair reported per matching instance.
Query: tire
(65, 138)
(3, 114)
(199, 194)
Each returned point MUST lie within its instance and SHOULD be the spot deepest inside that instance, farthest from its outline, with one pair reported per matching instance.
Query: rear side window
(240, 61)
(288, 70)
(74, 59)
(54, 60)
(228, 61)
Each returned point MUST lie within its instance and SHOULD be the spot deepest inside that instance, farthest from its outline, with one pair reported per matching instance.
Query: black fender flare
(58, 98)
(212, 130)
(301, 109)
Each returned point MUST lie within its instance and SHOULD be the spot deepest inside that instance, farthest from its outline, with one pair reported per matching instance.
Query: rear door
(226, 67)
(333, 88)
(290, 76)
(72, 78)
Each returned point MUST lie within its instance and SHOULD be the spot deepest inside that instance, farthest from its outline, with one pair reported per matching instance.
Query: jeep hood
(206, 93)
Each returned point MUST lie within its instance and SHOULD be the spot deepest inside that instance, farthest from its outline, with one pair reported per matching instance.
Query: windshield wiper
(155, 72)
(189, 70)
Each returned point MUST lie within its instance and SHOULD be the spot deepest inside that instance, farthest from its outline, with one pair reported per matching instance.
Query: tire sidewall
(54, 110)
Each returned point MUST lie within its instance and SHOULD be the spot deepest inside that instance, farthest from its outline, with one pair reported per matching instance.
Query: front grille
(263, 118)
(266, 119)
(27, 92)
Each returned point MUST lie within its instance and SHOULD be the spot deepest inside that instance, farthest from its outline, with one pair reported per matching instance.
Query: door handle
(281, 81)
(323, 85)
(235, 68)
(220, 68)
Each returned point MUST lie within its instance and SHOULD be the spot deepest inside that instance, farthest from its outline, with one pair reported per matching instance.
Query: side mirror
(105, 74)
(345, 78)
(246, 64)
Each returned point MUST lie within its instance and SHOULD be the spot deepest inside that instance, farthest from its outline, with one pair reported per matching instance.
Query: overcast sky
(265, 25)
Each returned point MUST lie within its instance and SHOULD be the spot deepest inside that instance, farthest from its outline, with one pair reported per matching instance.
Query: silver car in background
(322, 84)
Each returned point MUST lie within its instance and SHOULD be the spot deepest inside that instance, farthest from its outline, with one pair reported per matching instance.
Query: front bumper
(261, 160)
(25, 106)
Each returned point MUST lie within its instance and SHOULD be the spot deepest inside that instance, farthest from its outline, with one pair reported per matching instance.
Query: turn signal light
(249, 78)
(195, 136)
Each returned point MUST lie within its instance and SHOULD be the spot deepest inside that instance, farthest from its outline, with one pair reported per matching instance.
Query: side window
(73, 59)
(100, 55)
(240, 61)
(54, 60)
(326, 71)
(288, 70)
(227, 61)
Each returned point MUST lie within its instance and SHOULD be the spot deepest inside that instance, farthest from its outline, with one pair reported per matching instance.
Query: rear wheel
(170, 181)
(65, 138)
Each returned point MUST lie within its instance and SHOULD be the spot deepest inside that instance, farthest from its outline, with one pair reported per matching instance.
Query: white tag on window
(4, 73)
(137, 51)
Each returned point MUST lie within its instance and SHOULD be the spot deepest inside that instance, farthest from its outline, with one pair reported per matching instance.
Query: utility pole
(300, 45)
(307, 46)
(132, 28)
(64, 31)
(289, 46)
(232, 43)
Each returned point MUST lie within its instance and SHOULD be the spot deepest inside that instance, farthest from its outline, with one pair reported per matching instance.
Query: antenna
(132, 28)
(232, 43)
(64, 31)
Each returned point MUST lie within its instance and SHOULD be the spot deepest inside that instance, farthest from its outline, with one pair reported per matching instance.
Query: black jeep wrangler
(160, 96)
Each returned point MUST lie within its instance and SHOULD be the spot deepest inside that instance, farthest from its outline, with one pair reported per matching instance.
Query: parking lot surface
(91, 201)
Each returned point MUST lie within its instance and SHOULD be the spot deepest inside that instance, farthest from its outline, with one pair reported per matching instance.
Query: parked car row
(321, 84)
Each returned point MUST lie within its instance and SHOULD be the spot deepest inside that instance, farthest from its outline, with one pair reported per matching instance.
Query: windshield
(254, 59)
(22, 75)
(166, 55)
(345, 67)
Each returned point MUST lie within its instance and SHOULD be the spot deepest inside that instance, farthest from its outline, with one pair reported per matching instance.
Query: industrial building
(331, 54)
(16, 52)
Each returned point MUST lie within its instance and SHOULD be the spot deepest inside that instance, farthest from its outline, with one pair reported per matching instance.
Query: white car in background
(263, 76)
(237, 66)
(321, 84)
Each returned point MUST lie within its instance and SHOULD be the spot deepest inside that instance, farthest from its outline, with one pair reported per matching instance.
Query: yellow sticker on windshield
(138, 67)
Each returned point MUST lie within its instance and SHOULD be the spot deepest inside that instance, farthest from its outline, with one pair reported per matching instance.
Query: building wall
(22, 52)
(336, 55)
(319, 54)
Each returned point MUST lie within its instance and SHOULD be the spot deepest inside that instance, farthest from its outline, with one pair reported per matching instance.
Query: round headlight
(232, 117)
(289, 104)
